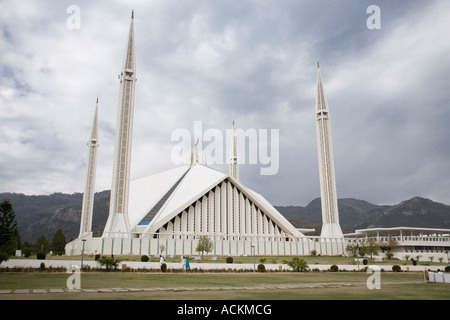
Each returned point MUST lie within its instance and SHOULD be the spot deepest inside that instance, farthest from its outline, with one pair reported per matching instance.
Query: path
(205, 288)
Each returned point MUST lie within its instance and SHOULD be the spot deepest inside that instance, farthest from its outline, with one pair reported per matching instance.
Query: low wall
(437, 277)
(34, 263)
(141, 246)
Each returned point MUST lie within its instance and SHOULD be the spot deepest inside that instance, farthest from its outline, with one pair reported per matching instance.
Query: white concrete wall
(141, 246)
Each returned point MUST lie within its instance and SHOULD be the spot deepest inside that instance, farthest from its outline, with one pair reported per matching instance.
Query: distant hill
(416, 212)
(360, 214)
(45, 214)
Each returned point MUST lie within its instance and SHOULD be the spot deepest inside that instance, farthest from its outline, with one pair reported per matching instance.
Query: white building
(404, 243)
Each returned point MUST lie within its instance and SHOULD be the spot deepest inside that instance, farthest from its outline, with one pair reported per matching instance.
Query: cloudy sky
(253, 62)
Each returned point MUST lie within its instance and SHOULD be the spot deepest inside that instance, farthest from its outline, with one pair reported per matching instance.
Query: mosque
(167, 212)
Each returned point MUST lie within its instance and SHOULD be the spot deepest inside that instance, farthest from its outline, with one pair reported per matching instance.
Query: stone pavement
(205, 288)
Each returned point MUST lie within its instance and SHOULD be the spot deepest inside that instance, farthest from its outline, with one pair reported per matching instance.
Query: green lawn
(340, 285)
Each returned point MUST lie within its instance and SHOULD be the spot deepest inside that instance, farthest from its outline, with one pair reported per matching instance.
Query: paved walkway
(206, 288)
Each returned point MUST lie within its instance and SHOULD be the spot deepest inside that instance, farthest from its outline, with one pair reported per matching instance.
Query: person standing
(188, 267)
(183, 263)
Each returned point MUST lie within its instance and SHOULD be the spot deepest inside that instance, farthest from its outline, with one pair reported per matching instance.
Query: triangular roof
(180, 188)
(198, 181)
(147, 191)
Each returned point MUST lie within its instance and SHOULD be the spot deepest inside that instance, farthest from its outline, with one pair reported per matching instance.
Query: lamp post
(254, 258)
(82, 253)
(357, 257)
(448, 262)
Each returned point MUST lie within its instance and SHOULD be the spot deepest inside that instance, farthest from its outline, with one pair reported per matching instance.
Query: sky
(202, 64)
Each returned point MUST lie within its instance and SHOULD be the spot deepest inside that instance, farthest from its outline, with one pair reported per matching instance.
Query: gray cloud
(215, 61)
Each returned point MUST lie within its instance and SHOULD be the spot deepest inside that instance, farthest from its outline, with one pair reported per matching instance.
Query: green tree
(58, 244)
(27, 249)
(298, 264)
(8, 230)
(41, 244)
(204, 245)
(110, 263)
(353, 249)
(372, 247)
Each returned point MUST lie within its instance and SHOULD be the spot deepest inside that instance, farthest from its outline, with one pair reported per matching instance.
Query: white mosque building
(171, 210)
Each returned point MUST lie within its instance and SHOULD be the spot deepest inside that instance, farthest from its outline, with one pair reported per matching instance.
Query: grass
(340, 285)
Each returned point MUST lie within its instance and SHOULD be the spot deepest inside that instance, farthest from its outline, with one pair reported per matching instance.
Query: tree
(204, 245)
(390, 244)
(372, 247)
(41, 244)
(58, 244)
(298, 264)
(110, 263)
(27, 249)
(353, 249)
(161, 248)
(8, 230)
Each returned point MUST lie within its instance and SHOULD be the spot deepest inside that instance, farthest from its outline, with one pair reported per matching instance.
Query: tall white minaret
(234, 166)
(118, 211)
(89, 189)
(330, 214)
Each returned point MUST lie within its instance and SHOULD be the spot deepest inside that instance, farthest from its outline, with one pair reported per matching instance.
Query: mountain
(45, 214)
(358, 214)
(353, 213)
(416, 212)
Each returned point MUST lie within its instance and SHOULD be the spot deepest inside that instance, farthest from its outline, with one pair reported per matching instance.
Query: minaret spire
(234, 166)
(118, 211)
(89, 189)
(330, 215)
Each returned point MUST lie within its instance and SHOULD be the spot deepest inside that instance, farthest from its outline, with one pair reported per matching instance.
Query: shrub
(365, 261)
(229, 260)
(41, 255)
(4, 257)
(414, 262)
(298, 265)
(144, 258)
(396, 268)
(334, 268)
(389, 255)
(42, 266)
(97, 256)
(261, 268)
(164, 267)
(447, 269)
(110, 263)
